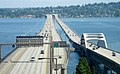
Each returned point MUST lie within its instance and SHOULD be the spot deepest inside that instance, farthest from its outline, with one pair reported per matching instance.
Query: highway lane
(31, 67)
(8, 65)
(26, 57)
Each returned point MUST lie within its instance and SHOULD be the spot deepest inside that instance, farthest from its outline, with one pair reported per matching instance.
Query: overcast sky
(44, 3)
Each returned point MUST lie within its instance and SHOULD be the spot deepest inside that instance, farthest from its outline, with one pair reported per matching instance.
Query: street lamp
(50, 59)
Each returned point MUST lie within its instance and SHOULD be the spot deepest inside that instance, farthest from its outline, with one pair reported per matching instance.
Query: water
(109, 26)
(9, 28)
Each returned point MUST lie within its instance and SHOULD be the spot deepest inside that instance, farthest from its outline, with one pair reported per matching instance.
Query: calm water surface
(9, 28)
(109, 26)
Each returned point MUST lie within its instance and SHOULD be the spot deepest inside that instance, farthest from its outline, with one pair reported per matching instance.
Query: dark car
(42, 51)
(32, 59)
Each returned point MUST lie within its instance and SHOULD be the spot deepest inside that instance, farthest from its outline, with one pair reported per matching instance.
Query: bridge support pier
(101, 68)
(111, 72)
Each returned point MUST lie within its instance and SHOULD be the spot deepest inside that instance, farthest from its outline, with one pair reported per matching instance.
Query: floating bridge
(47, 53)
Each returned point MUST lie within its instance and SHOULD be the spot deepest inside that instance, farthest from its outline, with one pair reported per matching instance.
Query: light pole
(50, 59)
(50, 51)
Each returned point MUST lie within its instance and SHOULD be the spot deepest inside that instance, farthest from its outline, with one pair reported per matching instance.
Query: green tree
(93, 70)
(83, 67)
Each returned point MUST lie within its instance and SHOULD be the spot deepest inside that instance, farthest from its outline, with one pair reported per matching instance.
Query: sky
(44, 3)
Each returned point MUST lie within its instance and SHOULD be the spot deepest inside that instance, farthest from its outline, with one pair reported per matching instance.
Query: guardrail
(105, 48)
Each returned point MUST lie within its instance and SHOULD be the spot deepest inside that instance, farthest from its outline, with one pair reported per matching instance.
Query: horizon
(46, 3)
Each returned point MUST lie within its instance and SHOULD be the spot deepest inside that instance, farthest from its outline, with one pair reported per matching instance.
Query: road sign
(29, 40)
(60, 44)
(56, 44)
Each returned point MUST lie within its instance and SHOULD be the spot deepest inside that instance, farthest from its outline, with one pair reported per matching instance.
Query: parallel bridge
(97, 55)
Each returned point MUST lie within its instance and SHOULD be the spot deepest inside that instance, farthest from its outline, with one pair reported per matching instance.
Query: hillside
(89, 10)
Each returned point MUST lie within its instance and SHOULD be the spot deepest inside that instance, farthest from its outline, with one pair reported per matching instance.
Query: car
(113, 53)
(32, 59)
(42, 51)
(94, 47)
(60, 57)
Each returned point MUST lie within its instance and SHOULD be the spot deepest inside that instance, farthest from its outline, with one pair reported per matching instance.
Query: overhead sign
(29, 40)
(60, 44)
(56, 44)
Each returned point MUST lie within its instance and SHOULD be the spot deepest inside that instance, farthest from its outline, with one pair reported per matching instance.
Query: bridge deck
(102, 51)
(72, 35)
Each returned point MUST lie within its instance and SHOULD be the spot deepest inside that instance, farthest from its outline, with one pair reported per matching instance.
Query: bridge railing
(105, 48)
(66, 60)
(58, 19)
(6, 52)
(72, 30)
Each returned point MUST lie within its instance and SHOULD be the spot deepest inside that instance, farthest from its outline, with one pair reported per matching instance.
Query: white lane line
(28, 65)
(28, 59)
(37, 56)
(8, 64)
(18, 64)
(43, 63)
(39, 66)
(16, 68)
(32, 68)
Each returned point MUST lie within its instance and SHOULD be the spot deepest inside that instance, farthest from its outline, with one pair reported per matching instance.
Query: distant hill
(90, 10)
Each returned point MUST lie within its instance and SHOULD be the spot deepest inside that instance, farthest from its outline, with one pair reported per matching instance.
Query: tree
(83, 67)
(93, 70)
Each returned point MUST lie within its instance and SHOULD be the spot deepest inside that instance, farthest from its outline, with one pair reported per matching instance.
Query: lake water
(109, 26)
(9, 28)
